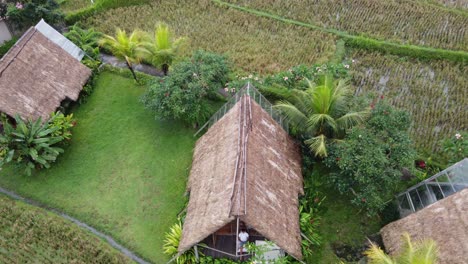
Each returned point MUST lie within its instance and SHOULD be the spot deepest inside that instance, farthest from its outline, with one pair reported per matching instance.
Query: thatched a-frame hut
(36, 75)
(446, 222)
(246, 172)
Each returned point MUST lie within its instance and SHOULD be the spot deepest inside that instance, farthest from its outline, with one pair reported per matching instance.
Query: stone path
(111, 60)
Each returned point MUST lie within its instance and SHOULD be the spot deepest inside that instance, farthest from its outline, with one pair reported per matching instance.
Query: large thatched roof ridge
(36, 75)
(245, 166)
(446, 222)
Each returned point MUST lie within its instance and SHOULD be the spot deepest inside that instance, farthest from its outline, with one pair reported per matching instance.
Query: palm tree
(163, 47)
(423, 252)
(128, 48)
(320, 113)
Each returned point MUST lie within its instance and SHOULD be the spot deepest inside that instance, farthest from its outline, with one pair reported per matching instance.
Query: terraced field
(434, 93)
(254, 44)
(408, 22)
(31, 235)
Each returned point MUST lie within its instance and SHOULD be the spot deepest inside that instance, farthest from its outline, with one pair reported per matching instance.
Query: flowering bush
(368, 163)
(184, 94)
(456, 147)
(27, 13)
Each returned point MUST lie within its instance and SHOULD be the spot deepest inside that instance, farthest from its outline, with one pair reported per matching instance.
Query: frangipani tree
(163, 47)
(321, 113)
(422, 252)
(129, 48)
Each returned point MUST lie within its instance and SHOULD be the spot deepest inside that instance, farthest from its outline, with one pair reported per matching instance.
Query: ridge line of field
(366, 43)
(80, 224)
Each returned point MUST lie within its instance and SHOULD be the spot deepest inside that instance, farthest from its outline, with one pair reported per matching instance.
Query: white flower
(243, 78)
(226, 89)
(256, 78)
(317, 68)
(250, 76)
(346, 66)
(195, 75)
(285, 78)
(353, 61)
(458, 136)
(360, 136)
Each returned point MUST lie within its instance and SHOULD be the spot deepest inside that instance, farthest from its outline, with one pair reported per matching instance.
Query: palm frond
(351, 119)
(318, 145)
(376, 255)
(292, 114)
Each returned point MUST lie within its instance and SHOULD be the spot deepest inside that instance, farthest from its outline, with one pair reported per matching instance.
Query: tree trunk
(131, 69)
(165, 68)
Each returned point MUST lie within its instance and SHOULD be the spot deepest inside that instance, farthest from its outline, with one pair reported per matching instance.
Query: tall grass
(254, 44)
(406, 22)
(435, 92)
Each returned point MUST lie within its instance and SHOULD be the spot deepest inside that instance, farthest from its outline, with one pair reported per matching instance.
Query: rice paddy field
(408, 22)
(435, 93)
(254, 44)
(32, 235)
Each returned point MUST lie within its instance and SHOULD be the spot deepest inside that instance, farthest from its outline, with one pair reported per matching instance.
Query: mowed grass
(341, 224)
(33, 235)
(124, 172)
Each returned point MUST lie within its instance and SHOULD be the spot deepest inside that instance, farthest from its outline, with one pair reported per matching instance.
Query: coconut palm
(164, 49)
(422, 252)
(320, 113)
(126, 47)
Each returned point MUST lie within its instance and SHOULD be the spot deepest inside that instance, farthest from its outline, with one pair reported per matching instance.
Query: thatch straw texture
(246, 165)
(445, 221)
(36, 75)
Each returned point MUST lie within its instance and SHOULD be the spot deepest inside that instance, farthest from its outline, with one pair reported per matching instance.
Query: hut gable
(245, 166)
(36, 75)
(445, 221)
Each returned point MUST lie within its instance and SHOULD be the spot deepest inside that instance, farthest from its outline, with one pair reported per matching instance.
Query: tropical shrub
(369, 161)
(6, 46)
(129, 48)
(185, 94)
(25, 13)
(321, 113)
(421, 252)
(456, 147)
(33, 144)
(86, 39)
(163, 48)
(171, 244)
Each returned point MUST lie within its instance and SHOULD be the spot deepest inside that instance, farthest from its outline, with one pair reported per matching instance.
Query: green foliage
(163, 48)
(6, 46)
(456, 147)
(171, 244)
(369, 161)
(34, 144)
(184, 94)
(422, 252)
(321, 113)
(29, 233)
(26, 13)
(85, 39)
(129, 48)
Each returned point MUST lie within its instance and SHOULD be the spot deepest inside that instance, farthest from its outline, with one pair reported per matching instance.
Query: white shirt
(243, 236)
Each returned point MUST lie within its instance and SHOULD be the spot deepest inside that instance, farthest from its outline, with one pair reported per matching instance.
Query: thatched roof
(445, 221)
(246, 165)
(36, 75)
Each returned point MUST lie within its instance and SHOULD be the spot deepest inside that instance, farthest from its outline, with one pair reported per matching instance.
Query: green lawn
(341, 223)
(124, 172)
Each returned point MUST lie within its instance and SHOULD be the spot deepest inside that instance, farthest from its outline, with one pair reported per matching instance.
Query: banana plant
(31, 144)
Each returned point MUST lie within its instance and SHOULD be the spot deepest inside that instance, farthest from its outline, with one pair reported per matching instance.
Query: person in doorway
(243, 237)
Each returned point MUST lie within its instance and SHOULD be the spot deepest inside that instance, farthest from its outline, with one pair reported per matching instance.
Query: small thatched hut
(36, 75)
(445, 221)
(246, 173)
